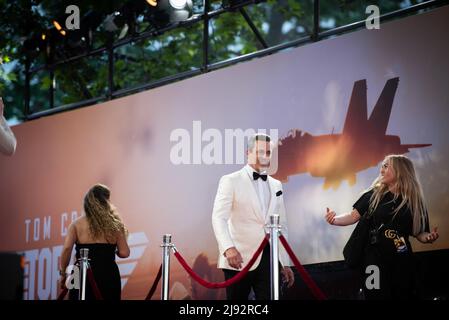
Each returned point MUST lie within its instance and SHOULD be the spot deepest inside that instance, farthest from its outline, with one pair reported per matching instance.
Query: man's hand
(288, 276)
(234, 257)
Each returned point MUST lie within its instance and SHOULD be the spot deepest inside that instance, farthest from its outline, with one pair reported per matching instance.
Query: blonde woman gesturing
(395, 208)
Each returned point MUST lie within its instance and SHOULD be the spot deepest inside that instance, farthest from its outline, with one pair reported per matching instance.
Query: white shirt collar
(250, 170)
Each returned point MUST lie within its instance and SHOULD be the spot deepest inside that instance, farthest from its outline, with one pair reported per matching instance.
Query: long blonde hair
(102, 216)
(407, 186)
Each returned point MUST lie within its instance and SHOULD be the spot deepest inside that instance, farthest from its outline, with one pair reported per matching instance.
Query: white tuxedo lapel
(252, 193)
(273, 201)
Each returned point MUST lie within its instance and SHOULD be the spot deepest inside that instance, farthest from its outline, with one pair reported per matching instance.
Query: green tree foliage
(144, 61)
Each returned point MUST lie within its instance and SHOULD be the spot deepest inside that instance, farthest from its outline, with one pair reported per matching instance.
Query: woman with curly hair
(102, 232)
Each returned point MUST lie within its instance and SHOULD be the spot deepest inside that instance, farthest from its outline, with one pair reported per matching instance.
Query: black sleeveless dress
(105, 271)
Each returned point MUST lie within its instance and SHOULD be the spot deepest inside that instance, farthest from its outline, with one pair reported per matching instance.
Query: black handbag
(354, 249)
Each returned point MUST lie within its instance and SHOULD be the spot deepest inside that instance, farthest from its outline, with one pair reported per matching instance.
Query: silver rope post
(166, 246)
(274, 228)
(84, 263)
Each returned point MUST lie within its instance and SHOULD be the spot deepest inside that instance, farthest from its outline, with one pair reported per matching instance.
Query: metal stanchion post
(84, 263)
(274, 228)
(166, 246)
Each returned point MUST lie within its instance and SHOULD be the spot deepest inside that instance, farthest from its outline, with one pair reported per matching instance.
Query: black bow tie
(257, 176)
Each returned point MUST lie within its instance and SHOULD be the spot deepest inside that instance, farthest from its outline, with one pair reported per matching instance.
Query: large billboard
(337, 107)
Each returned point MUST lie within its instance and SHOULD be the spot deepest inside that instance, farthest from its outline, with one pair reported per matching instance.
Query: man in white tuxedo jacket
(245, 199)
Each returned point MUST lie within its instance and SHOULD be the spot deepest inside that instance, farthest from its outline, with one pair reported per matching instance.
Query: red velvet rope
(319, 295)
(234, 279)
(93, 284)
(155, 283)
(63, 294)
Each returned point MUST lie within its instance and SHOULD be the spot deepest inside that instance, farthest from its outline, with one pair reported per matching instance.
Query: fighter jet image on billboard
(337, 157)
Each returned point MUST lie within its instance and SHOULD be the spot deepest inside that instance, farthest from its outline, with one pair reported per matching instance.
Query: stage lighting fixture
(59, 28)
(116, 21)
(170, 11)
(152, 3)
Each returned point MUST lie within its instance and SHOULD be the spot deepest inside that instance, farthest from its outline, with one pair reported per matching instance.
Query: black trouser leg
(239, 290)
(261, 284)
(258, 280)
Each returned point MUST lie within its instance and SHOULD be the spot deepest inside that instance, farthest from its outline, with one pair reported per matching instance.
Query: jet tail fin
(380, 116)
(357, 114)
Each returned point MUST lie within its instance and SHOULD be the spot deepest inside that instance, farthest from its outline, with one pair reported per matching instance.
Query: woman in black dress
(395, 209)
(102, 232)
